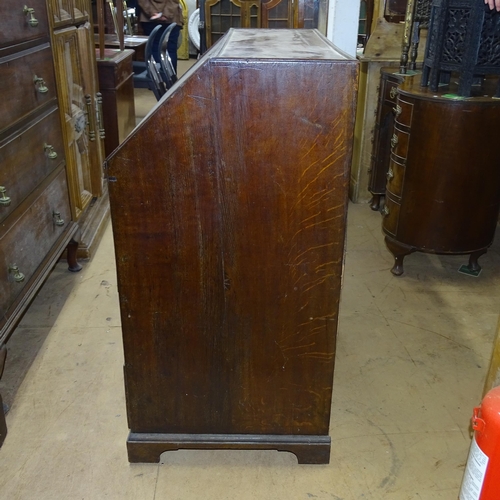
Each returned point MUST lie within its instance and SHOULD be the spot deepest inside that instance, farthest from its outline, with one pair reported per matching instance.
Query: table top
(131, 42)
(284, 44)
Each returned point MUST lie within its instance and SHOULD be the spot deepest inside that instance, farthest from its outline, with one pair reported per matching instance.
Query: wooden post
(493, 377)
(100, 24)
(120, 22)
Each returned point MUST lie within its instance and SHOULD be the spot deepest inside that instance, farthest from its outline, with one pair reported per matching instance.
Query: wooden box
(229, 207)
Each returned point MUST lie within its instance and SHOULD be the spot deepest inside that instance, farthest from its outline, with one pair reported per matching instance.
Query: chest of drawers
(36, 221)
(443, 182)
(389, 81)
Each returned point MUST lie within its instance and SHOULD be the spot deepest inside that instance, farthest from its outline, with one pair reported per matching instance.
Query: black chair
(146, 74)
(167, 71)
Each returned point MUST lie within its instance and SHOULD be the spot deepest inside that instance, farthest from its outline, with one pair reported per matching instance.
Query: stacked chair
(156, 72)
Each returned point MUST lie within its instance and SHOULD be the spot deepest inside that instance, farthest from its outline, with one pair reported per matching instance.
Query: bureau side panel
(285, 151)
(163, 196)
(228, 207)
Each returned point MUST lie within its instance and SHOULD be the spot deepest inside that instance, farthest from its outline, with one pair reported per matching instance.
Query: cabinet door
(250, 14)
(78, 116)
(306, 14)
(220, 15)
(277, 14)
(86, 49)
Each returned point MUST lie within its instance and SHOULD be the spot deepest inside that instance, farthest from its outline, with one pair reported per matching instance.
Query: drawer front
(404, 112)
(395, 178)
(21, 85)
(399, 143)
(28, 158)
(19, 26)
(391, 92)
(26, 243)
(391, 216)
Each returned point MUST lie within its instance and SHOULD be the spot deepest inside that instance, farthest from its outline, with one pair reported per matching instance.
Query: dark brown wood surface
(26, 242)
(444, 195)
(229, 235)
(15, 25)
(116, 85)
(389, 81)
(24, 159)
(17, 87)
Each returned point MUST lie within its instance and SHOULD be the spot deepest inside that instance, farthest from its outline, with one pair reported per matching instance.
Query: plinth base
(149, 447)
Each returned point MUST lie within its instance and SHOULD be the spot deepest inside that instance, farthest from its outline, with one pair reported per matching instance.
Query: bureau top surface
(298, 44)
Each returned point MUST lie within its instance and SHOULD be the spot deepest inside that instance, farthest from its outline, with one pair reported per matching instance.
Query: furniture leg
(375, 202)
(399, 251)
(73, 265)
(473, 260)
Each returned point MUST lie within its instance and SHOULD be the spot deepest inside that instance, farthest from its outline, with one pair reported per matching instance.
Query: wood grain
(229, 235)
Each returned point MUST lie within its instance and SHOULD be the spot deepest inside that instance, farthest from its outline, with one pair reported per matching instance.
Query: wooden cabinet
(116, 83)
(229, 237)
(390, 78)
(221, 15)
(443, 187)
(81, 115)
(36, 222)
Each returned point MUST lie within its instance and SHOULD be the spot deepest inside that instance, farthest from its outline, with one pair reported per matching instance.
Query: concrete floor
(412, 356)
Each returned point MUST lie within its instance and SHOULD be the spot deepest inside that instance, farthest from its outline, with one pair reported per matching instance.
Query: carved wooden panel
(78, 116)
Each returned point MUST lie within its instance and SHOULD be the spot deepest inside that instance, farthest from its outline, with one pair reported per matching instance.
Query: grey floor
(412, 355)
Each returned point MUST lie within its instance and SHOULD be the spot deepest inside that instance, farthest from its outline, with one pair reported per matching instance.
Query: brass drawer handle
(49, 150)
(100, 116)
(40, 85)
(393, 92)
(58, 221)
(397, 111)
(390, 174)
(394, 141)
(18, 275)
(385, 211)
(4, 199)
(32, 21)
(90, 117)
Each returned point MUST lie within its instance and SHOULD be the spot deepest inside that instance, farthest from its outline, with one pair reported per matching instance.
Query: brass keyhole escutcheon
(49, 150)
(385, 211)
(390, 174)
(394, 141)
(18, 275)
(32, 21)
(393, 92)
(40, 85)
(58, 221)
(4, 199)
